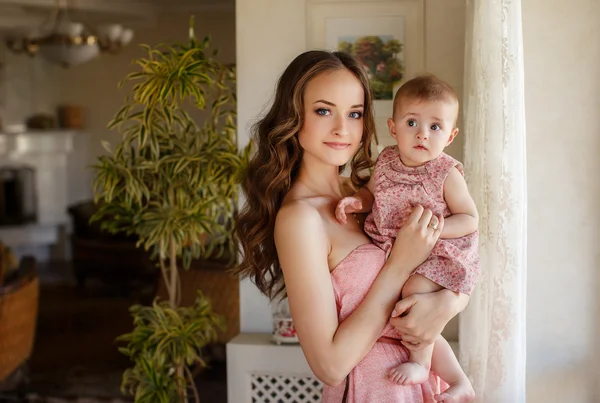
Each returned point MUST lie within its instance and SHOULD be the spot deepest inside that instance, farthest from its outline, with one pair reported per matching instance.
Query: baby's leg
(445, 364)
(416, 370)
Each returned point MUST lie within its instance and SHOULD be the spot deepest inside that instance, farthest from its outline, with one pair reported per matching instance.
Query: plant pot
(213, 278)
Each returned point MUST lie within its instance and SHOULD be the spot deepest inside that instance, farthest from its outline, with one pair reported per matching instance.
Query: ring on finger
(433, 226)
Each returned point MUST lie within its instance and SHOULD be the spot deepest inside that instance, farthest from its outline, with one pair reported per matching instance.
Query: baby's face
(423, 129)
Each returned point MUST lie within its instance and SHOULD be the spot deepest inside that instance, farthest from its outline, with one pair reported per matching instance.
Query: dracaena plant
(171, 181)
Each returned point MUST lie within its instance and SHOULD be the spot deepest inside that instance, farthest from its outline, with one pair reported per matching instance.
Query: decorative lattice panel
(285, 389)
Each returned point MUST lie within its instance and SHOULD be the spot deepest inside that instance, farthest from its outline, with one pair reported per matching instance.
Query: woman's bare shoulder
(300, 229)
(300, 217)
(298, 213)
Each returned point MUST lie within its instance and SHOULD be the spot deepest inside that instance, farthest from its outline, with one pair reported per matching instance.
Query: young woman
(340, 287)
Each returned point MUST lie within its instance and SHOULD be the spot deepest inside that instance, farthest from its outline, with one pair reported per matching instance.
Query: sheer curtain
(492, 328)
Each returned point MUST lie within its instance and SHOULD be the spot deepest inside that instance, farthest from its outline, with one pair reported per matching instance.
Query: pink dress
(453, 263)
(368, 382)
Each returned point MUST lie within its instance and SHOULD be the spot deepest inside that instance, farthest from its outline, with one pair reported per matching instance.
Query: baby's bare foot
(409, 373)
(458, 392)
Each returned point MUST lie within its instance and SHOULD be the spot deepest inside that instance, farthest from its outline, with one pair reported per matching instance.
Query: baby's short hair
(427, 88)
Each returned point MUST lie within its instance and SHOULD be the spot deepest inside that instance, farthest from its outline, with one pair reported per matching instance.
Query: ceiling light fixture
(67, 43)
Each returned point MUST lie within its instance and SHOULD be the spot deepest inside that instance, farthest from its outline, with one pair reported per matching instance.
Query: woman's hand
(420, 318)
(416, 238)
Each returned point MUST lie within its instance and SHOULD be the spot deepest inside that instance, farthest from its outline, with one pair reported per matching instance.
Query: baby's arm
(360, 202)
(464, 218)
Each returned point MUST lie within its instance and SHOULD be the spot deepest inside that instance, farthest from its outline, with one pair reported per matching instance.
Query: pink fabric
(453, 263)
(368, 382)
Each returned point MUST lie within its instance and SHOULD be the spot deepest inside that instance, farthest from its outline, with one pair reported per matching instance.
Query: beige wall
(562, 55)
(94, 85)
(36, 86)
(271, 33)
(445, 50)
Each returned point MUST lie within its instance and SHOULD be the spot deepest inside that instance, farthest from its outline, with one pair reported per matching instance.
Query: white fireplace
(51, 155)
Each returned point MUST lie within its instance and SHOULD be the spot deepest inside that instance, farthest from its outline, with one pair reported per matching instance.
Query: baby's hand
(404, 214)
(347, 205)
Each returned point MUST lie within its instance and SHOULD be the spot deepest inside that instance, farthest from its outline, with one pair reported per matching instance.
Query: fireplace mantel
(47, 153)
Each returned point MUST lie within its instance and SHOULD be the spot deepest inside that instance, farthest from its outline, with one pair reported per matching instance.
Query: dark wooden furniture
(19, 298)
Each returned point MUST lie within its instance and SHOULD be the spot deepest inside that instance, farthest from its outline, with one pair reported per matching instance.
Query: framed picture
(377, 43)
(386, 36)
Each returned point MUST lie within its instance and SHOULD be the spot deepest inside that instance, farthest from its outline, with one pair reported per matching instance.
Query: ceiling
(19, 14)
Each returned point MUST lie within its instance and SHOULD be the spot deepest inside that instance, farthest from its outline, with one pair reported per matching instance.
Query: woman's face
(333, 118)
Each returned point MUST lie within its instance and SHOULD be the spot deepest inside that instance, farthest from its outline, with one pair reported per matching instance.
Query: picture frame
(373, 28)
(378, 43)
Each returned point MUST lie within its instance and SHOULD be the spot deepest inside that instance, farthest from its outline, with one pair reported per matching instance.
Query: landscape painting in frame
(378, 43)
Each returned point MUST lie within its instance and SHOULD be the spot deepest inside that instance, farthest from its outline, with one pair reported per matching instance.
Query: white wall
(270, 34)
(562, 55)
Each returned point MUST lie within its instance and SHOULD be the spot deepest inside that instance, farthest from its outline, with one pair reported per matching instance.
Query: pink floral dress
(453, 263)
(368, 381)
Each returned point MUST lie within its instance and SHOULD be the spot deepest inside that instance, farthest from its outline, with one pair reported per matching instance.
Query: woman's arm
(333, 349)
(464, 218)
(420, 318)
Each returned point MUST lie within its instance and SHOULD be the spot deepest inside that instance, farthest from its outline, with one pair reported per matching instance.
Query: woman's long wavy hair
(274, 167)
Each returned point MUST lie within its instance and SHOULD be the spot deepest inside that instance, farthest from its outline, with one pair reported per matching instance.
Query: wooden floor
(75, 353)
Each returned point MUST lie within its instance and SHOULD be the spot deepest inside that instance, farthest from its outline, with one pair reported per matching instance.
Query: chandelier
(62, 41)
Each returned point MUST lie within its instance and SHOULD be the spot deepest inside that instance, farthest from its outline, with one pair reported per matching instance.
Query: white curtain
(492, 328)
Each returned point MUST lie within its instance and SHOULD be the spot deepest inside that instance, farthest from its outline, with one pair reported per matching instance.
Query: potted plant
(172, 183)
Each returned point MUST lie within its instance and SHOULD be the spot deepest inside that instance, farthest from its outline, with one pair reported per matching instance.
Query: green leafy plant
(172, 183)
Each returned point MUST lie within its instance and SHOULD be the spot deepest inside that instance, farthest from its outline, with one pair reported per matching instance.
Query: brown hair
(426, 88)
(274, 167)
